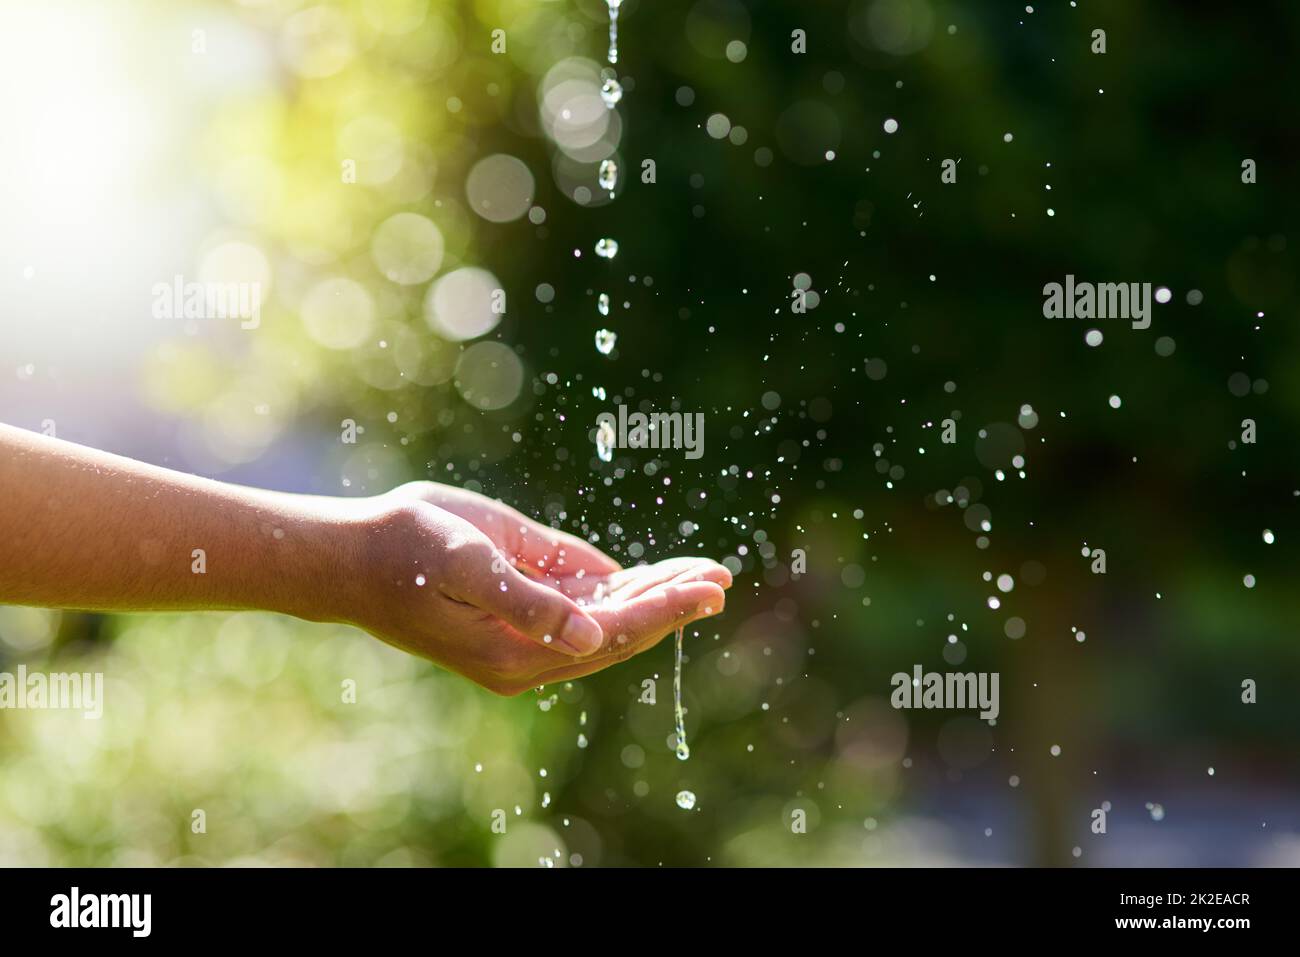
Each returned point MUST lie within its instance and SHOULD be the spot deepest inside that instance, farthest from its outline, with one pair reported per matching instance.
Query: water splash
(683, 749)
(613, 28)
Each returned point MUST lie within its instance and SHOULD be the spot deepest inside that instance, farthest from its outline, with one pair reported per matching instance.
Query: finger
(582, 589)
(536, 611)
(554, 552)
(648, 617)
(596, 589)
(604, 660)
(522, 538)
(639, 579)
(673, 571)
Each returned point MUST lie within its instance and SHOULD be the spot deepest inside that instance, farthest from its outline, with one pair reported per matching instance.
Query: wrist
(317, 571)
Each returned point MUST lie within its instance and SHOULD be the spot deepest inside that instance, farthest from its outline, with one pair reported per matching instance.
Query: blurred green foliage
(787, 692)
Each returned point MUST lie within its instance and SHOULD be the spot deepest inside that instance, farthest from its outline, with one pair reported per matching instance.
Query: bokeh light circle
(489, 375)
(463, 304)
(374, 145)
(807, 131)
(407, 248)
(500, 188)
(338, 313)
(317, 42)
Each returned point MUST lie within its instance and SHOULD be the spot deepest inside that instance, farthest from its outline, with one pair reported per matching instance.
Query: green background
(240, 715)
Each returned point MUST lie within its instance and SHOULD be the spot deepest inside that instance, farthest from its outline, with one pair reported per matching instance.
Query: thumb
(536, 611)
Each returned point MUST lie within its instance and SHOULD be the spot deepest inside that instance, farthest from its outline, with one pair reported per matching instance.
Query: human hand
(637, 607)
(440, 572)
(527, 544)
(519, 604)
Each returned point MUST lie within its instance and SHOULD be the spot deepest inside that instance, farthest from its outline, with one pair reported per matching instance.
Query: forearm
(80, 528)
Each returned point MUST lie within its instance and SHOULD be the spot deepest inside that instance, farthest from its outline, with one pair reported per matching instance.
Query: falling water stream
(611, 92)
(607, 247)
(683, 749)
(613, 29)
(685, 799)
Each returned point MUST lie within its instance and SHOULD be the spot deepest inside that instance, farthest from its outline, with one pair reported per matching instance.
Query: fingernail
(710, 606)
(582, 634)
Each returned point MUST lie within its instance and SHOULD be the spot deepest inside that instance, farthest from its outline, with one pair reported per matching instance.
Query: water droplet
(686, 800)
(611, 91)
(602, 304)
(605, 340)
(608, 177)
(1268, 536)
(605, 439)
(607, 248)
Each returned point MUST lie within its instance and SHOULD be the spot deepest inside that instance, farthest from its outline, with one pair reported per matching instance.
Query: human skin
(452, 576)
